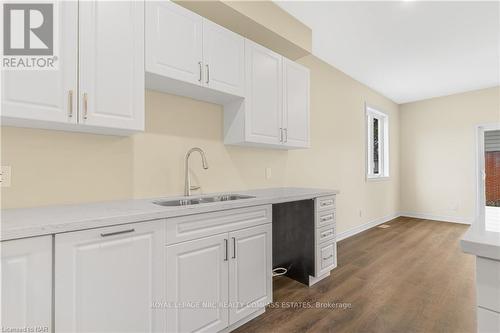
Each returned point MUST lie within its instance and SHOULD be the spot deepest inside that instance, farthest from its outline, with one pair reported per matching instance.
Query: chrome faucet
(187, 179)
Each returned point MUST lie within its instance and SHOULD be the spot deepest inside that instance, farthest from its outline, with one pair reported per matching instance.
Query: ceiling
(407, 50)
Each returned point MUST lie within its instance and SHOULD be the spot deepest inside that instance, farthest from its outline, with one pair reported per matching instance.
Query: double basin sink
(202, 200)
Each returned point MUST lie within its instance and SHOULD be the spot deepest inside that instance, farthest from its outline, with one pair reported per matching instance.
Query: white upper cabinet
(108, 279)
(224, 59)
(186, 54)
(173, 42)
(296, 104)
(47, 95)
(264, 94)
(112, 64)
(275, 111)
(27, 282)
(99, 83)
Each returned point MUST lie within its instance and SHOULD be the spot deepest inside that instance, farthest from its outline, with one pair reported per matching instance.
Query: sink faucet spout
(187, 179)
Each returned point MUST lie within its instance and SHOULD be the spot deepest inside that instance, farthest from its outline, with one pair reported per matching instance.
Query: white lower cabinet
(250, 271)
(197, 277)
(325, 238)
(487, 321)
(217, 281)
(27, 284)
(488, 295)
(107, 279)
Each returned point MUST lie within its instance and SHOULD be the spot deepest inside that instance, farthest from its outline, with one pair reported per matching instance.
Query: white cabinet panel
(184, 228)
(264, 94)
(296, 104)
(107, 279)
(112, 64)
(223, 58)
(197, 273)
(487, 321)
(44, 95)
(27, 282)
(173, 41)
(488, 283)
(324, 203)
(250, 271)
(326, 258)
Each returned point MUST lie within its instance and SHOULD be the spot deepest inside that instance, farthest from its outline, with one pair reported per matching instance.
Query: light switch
(268, 173)
(5, 175)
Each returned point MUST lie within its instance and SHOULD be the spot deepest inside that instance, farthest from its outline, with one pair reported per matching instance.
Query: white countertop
(28, 222)
(481, 242)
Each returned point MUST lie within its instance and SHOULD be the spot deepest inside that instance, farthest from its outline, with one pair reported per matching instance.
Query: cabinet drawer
(325, 203)
(326, 258)
(180, 229)
(488, 283)
(325, 218)
(487, 321)
(325, 233)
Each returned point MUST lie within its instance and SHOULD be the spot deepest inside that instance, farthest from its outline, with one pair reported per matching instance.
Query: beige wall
(438, 153)
(51, 167)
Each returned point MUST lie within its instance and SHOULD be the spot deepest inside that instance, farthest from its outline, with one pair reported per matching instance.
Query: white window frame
(480, 173)
(383, 139)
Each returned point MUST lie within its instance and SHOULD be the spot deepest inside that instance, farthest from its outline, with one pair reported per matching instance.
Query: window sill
(378, 179)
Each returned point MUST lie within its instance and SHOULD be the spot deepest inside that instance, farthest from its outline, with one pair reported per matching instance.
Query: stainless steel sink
(202, 200)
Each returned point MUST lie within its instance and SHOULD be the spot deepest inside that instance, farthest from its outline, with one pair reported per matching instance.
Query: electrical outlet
(5, 176)
(268, 173)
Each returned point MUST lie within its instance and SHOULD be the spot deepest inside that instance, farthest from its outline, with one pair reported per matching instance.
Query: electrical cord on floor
(278, 271)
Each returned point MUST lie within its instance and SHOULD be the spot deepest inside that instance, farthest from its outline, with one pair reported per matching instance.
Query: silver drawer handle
(326, 203)
(225, 250)
(326, 234)
(85, 106)
(114, 233)
(326, 218)
(330, 256)
(200, 65)
(234, 247)
(70, 103)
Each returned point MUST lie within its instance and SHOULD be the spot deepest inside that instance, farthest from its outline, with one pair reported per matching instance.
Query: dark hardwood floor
(411, 277)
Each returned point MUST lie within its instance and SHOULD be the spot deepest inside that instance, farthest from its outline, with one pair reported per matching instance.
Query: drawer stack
(325, 235)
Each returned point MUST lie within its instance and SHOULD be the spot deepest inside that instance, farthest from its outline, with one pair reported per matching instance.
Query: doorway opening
(489, 176)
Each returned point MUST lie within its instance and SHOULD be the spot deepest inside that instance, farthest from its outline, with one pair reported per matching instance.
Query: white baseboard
(440, 218)
(356, 230)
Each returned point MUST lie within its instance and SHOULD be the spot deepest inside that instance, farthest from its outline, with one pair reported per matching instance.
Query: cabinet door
(47, 95)
(197, 277)
(112, 64)
(173, 42)
(264, 94)
(250, 271)
(107, 279)
(296, 104)
(224, 59)
(27, 283)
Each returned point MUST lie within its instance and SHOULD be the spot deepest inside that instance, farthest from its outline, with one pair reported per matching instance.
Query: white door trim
(479, 169)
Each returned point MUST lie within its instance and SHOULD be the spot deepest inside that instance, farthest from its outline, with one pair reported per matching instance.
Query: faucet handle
(194, 188)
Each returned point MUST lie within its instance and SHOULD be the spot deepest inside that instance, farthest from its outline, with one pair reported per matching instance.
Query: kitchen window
(377, 127)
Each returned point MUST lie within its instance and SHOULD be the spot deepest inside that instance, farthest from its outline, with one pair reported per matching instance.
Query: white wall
(438, 150)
